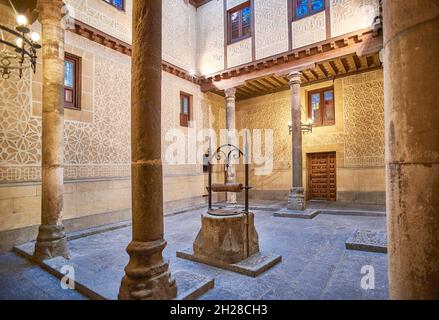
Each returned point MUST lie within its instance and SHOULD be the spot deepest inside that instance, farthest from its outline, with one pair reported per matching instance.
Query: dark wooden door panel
(322, 174)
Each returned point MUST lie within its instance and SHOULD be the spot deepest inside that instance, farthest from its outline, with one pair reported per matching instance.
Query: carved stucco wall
(179, 34)
(210, 41)
(363, 96)
(239, 53)
(96, 149)
(207, 112)
(271, 29)
(351, 15)
(309, 30)
(100, 148)
(103, 16)
(358, 137)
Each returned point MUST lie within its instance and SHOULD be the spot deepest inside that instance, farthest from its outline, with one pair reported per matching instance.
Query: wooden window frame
(310, 12)
(324, 123)
(185, 118)
(229, 23)
(111, 3)
(76, 104)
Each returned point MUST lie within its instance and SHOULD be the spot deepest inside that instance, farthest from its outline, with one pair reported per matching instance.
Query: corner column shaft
(411, 31)
(51, 240)
(147, 274)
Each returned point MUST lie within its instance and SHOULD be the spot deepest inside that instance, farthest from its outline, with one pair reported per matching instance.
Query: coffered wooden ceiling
(323, 71)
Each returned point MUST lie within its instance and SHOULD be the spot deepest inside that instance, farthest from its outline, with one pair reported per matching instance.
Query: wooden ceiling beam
(352, 63)
(322, 69)
(331, 68)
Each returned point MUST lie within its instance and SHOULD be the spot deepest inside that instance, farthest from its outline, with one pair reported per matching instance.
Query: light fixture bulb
(21, 20)
(35, 36)
(19, 42)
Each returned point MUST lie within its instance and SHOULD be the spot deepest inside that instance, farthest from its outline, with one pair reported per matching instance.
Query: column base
(147, 275)
(296, 199)
(51, 242)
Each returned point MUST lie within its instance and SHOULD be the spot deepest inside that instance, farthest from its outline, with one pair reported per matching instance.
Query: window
(321, 107)
(72, 85)
(239, 22)
(119, 4)
(185, 109)
(305, 8)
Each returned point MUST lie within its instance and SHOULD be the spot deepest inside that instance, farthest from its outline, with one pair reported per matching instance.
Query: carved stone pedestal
(226, 241)
(297, 206)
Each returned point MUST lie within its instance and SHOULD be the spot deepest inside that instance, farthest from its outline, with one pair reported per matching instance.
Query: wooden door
(322, 176)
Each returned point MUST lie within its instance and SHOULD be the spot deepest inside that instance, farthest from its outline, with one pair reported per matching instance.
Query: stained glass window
(315, 107)
(329, 106)
(322, 107)
(119, 4)
(240, 22)
(303, 8)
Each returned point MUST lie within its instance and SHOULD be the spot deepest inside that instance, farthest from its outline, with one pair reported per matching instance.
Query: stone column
(231, 137)
(411, 31)
(296, 200)
(147, 275)
(51, 240)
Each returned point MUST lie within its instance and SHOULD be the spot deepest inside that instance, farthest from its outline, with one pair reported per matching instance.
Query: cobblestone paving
(316, 264)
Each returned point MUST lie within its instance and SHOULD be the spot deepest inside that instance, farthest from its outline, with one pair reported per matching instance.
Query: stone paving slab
(252, 267)
(190, 286)
(22, 280)
(297, 214)
(368, 240)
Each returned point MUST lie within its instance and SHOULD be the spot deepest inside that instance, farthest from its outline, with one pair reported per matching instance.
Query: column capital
(294, 78)
(50, 10)
(230, 93)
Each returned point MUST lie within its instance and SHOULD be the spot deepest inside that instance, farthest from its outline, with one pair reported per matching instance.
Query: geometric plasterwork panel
(20, 134)
(271, 29)
(239, 53)
(110, 21)
(106, 139)
(363, 96)
(350, 15)
(179, 31)
(309, 30)
(92, 150)
(210, 37)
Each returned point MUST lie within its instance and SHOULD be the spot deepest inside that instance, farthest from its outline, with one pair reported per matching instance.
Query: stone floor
(21, 280)
(316, 264)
